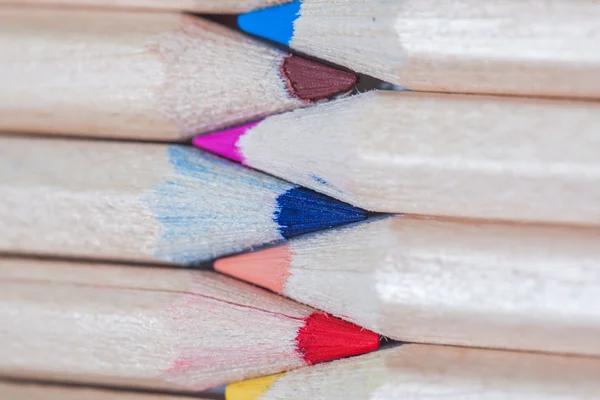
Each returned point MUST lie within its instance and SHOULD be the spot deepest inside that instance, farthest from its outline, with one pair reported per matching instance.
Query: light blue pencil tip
(275, 23)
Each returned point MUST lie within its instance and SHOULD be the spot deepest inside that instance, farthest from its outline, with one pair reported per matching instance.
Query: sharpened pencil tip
(300, 210)
(312, 81)
(266, 268)
(324, 338)
(224, 143)
(251, 389)
(274, 23)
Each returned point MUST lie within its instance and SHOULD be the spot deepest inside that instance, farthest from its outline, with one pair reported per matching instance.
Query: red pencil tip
(224, 143)
(324, 338)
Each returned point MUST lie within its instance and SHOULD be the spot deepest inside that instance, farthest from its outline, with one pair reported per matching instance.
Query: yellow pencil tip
(251, 389)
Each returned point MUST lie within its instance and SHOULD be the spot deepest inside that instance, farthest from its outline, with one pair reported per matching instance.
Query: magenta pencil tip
(224, 143)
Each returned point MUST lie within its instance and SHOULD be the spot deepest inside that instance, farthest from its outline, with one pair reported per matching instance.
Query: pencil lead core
(324, 338)
(250, 389)
(311, 81)
(273, 23)
(225, 142)
(301, 210)
(266, 268)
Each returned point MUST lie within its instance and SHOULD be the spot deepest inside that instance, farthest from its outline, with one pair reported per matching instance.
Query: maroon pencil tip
(324, 338)
(310, 81)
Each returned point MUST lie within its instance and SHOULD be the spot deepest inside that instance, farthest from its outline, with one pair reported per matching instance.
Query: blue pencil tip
(301, 211)
(275, 23)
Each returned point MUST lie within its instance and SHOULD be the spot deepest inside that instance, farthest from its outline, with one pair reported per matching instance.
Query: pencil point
(312, 81)
(301, 210)
(274, 23)
(250, 389)
(224, 143)
(325, 338)
(266, 268)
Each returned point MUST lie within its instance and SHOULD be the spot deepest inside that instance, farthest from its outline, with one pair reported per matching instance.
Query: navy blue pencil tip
(301, 210)
(274, 23)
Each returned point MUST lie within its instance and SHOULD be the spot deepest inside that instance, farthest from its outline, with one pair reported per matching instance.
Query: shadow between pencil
(71, 259)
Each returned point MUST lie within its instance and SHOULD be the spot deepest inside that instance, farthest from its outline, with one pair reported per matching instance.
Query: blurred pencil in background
(144, 75)
(434, 154)
(156, 328)
(525, 47)
(146, 202)
(414, 371)
(198, 6)
(53, 391)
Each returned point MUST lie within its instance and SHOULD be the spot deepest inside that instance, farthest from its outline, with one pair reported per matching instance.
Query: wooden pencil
(415, 371)
(525, 47)
(156, 327)
(198, 6)
(144, 75)
(15, 390)
(447, 155)
(146, 202)
(432, 281)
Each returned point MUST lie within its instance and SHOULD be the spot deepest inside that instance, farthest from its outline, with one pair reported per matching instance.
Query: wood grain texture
(199, 6)
(130, 201)
(445, 155)
(433, 372)
(13, 390)
(143, 75)
(526, 47)
(141, 327)
(450, 282)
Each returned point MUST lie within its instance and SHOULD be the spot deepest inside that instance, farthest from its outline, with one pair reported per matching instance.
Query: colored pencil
(156, 327)
(15, 390)
(432, 281)
(447, 155)
(144, 75)
(146, 202)
(199, 6)
(415, 371)
(525, 47)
